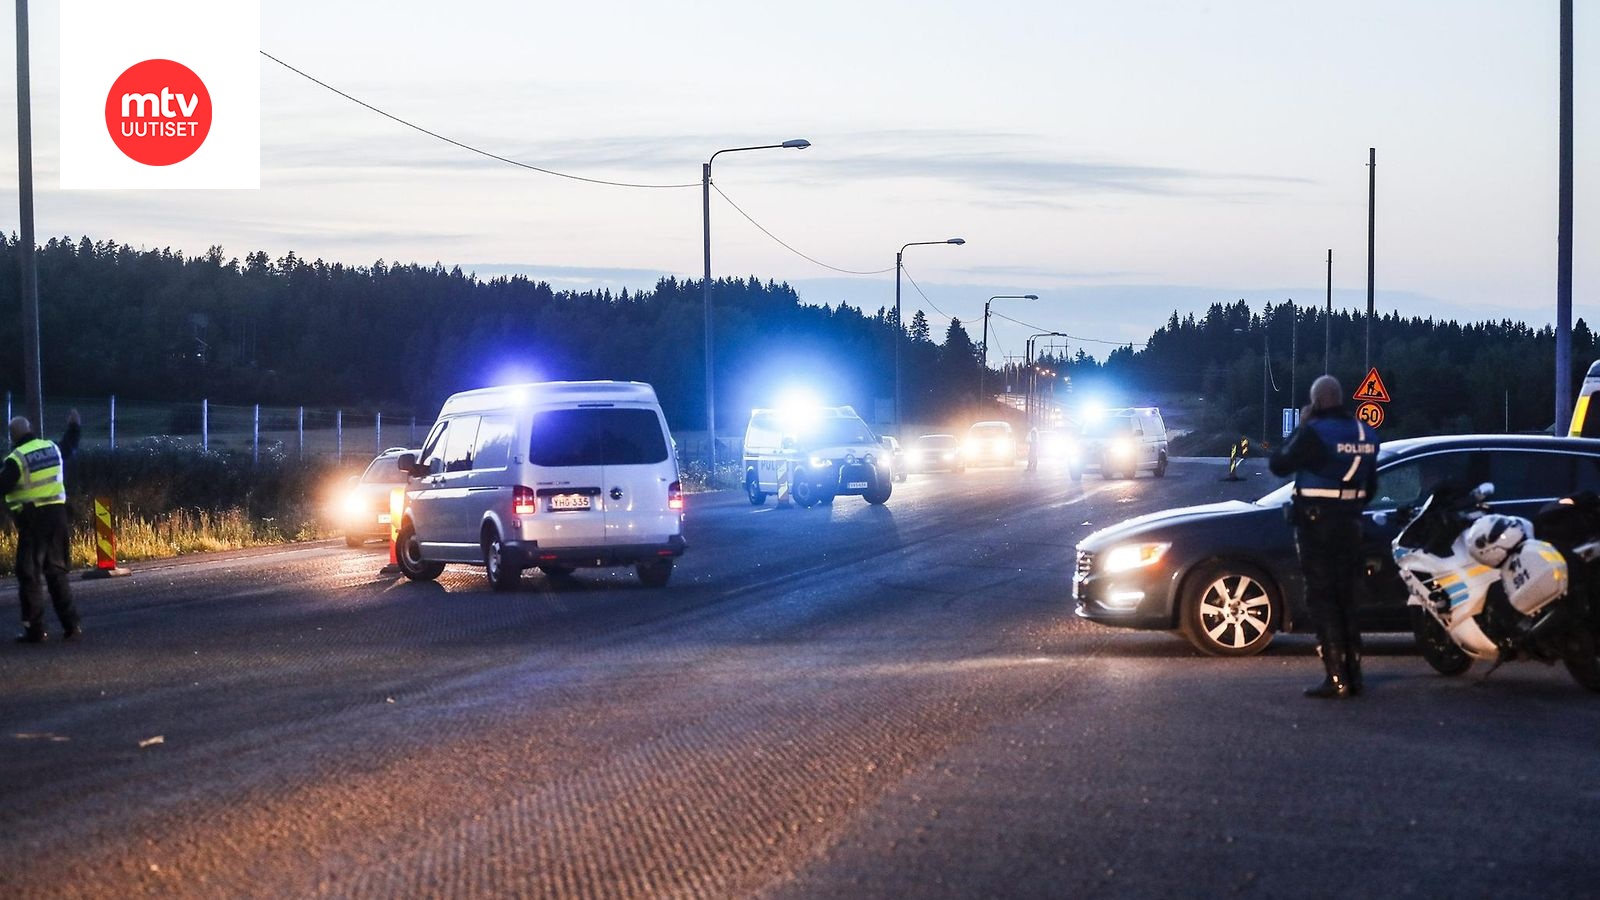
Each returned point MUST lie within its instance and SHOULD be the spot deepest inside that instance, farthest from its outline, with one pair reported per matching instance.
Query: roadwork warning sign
(1372, 388)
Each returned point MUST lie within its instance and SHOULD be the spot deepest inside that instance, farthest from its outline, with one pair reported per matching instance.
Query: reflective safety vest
(1342, 477)
(42, 482)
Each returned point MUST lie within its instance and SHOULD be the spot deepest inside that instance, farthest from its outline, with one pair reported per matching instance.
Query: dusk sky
(1121, 160)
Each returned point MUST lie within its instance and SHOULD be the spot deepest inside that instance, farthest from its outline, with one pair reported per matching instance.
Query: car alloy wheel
(1230, 611)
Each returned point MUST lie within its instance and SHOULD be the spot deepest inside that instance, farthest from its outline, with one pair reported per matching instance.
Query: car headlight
(1134, 556)
(949, 457)
(820, 462)
(354, 505)
(1122, 448)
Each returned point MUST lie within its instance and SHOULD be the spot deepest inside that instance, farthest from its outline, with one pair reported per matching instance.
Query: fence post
(377, 436)
(338, 431)
(413, 441)
(205, 425)
(113, 421)
(300, 432)
(8, 407)
(255, 437)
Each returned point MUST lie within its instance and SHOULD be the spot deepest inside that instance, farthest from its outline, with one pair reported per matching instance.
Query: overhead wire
(788, 246)
(1075, 337)
(468, 147)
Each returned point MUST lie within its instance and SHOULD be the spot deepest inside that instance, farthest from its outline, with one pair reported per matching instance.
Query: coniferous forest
(158, 325)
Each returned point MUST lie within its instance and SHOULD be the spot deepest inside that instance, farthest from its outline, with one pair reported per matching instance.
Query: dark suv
(1226, 576)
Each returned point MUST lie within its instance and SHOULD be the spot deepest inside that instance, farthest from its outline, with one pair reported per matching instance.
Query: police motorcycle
(1484, 588)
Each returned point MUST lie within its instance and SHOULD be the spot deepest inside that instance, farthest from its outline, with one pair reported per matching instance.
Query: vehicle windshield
(1113, 426)
(937, 441)
(384, 470)
(828, 432)
(990, 431)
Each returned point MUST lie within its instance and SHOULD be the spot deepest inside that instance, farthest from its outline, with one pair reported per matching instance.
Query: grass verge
(172, 534)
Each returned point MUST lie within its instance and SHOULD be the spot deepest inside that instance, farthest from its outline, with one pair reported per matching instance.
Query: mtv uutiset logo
(158, 127)
(160, 94)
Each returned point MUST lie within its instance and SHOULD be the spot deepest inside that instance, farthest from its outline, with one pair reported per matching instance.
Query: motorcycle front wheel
(1583, 659)
(1437, 648)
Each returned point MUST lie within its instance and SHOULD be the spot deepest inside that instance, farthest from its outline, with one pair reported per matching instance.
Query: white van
(1121, 442)
(820, 452)
(556, 475)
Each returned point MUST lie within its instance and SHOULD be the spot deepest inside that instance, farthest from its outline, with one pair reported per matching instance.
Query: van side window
(433, 447)
(458, 444)
(493, 450)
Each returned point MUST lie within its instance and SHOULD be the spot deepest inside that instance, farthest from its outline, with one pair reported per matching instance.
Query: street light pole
(33, 399)
(983, 372)
(899, 329)
(1033, 380)
(705, 283)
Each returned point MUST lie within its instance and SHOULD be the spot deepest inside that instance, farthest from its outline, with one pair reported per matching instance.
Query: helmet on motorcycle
(1492, 538)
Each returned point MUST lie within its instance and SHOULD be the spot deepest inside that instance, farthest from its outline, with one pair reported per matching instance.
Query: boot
(1352, 668)
(34, 634)
(1334, 684)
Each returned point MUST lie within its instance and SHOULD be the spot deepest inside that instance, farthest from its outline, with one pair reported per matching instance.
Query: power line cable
(468, 147)
(918, 289)
(1072, 336)
(790, 247)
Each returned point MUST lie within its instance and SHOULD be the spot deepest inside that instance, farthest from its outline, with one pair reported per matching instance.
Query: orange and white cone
(397, 511)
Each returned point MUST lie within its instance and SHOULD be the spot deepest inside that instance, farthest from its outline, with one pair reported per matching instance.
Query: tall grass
(168, 499)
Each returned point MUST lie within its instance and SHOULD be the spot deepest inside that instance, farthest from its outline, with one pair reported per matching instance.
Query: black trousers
(1330, 559)
(42, 561)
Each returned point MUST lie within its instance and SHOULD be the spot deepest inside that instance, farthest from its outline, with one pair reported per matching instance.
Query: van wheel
(879, 494)
(502, 577)
(408, 553)
(752, 489)
(1161, 465)
(803, 491)
(655, 573)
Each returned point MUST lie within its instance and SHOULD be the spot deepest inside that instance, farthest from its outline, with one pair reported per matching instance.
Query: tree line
(158, 325)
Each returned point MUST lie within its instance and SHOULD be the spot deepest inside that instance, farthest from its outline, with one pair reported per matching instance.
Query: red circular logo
(158, 112)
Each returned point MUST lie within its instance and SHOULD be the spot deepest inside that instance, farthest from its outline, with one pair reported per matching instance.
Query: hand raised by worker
(73, 418)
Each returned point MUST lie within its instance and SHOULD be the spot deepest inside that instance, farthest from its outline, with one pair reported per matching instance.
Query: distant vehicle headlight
(1122, 447)
(949, 457)
(1134, 556)
(820, 462)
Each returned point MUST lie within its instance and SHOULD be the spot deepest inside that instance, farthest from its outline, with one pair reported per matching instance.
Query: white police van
(815, 454)
(1121, 442)
(558, 475)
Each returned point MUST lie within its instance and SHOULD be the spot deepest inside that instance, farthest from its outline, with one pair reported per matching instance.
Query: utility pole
(33, 387)
(1372, 199)
(1327, 323)
(1294, 345)
(1564, 234)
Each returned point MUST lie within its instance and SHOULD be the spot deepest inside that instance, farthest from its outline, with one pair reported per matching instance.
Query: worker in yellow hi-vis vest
(35, 487)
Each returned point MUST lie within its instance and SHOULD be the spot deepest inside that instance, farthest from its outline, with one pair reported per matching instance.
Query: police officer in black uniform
(1333, 458)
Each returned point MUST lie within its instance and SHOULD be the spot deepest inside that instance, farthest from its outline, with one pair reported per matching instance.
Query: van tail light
(675, 495)
(523, 500)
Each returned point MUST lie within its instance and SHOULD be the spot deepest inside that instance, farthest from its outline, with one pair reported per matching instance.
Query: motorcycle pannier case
(1533, 576)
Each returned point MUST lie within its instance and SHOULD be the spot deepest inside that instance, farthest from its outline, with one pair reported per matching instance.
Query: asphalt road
(852, 701)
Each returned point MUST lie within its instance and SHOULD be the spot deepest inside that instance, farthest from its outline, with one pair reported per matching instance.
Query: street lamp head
(956, 241)
(796, 144)
(1030, 296)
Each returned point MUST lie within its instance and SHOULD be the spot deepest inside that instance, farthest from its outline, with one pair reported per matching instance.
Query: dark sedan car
(1225, 574)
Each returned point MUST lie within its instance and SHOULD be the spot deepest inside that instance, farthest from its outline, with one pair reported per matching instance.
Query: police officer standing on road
(35, 488)
(1333, 459)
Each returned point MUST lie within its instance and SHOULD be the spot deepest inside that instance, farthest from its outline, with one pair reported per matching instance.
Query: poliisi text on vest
(1363, 449)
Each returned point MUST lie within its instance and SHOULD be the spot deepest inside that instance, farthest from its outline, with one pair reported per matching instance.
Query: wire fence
(297, 431)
